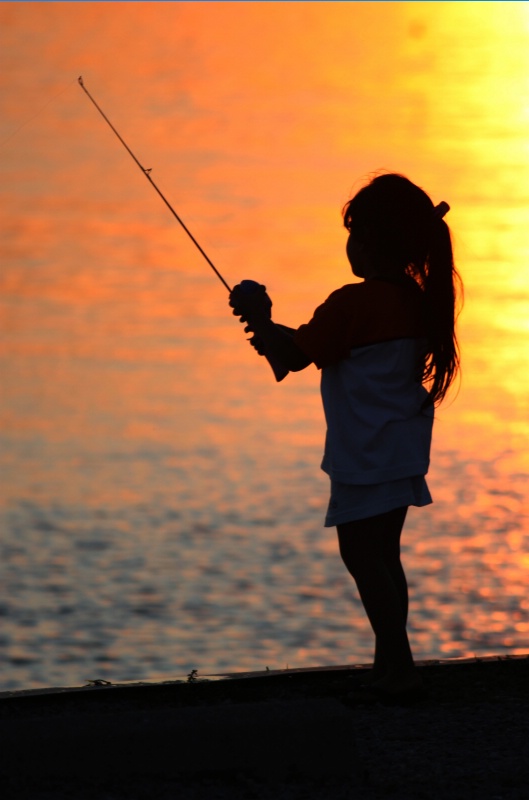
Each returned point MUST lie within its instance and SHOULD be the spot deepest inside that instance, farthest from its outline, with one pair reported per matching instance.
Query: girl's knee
(358, 554)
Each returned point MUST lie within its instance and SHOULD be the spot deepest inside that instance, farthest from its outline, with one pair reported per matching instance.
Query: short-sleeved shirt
(369, 341)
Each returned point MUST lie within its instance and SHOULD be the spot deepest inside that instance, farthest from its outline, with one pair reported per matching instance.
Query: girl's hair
(396, 221)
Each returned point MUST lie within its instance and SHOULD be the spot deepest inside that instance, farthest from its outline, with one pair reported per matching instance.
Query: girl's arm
(277, 341)
(271, 338)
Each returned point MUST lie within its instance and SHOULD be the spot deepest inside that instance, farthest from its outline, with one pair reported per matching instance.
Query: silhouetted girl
(388, 353)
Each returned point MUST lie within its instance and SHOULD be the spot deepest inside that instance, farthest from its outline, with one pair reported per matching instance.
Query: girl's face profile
(356, 255)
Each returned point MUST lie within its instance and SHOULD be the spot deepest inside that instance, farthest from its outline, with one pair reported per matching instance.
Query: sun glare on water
(161, 497)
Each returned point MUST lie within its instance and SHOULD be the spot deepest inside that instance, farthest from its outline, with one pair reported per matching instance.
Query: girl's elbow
(299, 362)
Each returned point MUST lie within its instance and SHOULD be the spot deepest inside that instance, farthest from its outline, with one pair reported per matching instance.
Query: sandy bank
(290, 734)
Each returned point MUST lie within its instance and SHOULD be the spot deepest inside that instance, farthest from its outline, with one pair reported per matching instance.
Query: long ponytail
(443, 291)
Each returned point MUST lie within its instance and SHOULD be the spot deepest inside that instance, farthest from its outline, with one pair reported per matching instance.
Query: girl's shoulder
(377, 294)
(361, 314)
(377, 311)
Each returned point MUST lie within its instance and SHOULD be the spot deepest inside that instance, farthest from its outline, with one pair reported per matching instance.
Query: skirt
(352, 501)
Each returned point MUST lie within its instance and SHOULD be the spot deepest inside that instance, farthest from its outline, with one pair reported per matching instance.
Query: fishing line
(147, 173)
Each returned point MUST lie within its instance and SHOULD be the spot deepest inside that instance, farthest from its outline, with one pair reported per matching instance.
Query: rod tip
(80, 80)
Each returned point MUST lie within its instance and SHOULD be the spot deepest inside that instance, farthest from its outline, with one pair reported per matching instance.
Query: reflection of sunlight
(130, 387)
(524, 560)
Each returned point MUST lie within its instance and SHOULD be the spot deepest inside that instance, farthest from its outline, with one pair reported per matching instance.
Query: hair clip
(442, 209)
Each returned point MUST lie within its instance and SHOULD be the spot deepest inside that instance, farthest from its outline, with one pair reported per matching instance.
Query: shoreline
(300, 733)
(197, 677)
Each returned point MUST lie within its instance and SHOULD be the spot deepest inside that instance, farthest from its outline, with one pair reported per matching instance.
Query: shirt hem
(378, 476)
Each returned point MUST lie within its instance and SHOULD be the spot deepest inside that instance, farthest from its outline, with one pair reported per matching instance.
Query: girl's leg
(390, 550)
(370, 549)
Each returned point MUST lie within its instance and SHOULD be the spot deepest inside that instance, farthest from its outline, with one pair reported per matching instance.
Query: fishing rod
(248, 286)
(147, 173)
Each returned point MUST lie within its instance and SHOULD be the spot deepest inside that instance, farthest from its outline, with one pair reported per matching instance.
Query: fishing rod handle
(279, 370)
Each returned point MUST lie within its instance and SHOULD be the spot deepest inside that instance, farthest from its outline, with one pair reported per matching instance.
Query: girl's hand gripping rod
(279, 370)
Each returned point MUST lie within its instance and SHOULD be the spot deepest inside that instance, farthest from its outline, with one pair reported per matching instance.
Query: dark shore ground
(296, 735)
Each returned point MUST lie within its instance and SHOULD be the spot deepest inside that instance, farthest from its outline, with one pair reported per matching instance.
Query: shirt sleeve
(357, 315)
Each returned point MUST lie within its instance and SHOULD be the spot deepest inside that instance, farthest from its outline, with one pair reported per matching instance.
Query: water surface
(161, 500)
